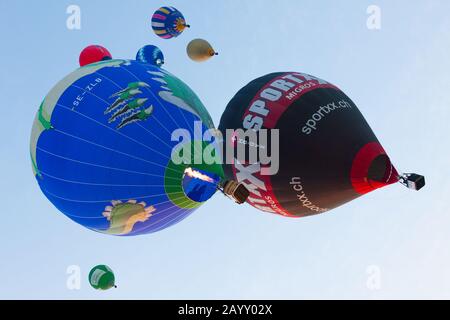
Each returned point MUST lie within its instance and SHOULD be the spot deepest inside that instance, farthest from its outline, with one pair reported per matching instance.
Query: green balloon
(102, 277)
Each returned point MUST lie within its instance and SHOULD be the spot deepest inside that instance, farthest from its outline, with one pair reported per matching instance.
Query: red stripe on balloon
(278, 107)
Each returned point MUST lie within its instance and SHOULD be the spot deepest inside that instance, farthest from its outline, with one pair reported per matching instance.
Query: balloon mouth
(180, 25)
(372, 169)
(199, 185)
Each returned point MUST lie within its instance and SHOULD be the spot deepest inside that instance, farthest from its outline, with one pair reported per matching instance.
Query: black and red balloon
(93, 54)
(328, 154)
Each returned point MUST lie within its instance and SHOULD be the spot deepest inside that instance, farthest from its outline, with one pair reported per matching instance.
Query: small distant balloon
(93, 54)
(150, 54)
(102, 277)
(168, 22)
(200, 50)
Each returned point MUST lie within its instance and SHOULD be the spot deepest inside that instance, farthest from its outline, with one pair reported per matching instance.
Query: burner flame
(198, 175)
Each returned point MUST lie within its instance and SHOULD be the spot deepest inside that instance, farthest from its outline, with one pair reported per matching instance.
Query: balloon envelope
(93, 54)
(200, 50)
(101, 148)
(150, 54)
(101, 277)
(168, 22)
(327, 155)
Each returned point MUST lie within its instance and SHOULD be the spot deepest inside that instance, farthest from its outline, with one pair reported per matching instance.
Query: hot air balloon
(103, 143)
(325, 153)
(101, 277)
(200, 50)
(168, 22)
(93, 54)
(150, 54)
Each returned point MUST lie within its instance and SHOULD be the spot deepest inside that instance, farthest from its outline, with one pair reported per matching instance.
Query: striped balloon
(102, 142)
(168, 22)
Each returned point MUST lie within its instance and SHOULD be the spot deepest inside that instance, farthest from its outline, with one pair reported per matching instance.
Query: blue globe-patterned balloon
(150, 54)
(101, 148)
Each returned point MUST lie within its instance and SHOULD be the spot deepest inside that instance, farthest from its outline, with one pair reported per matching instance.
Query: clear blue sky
(398, 76)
